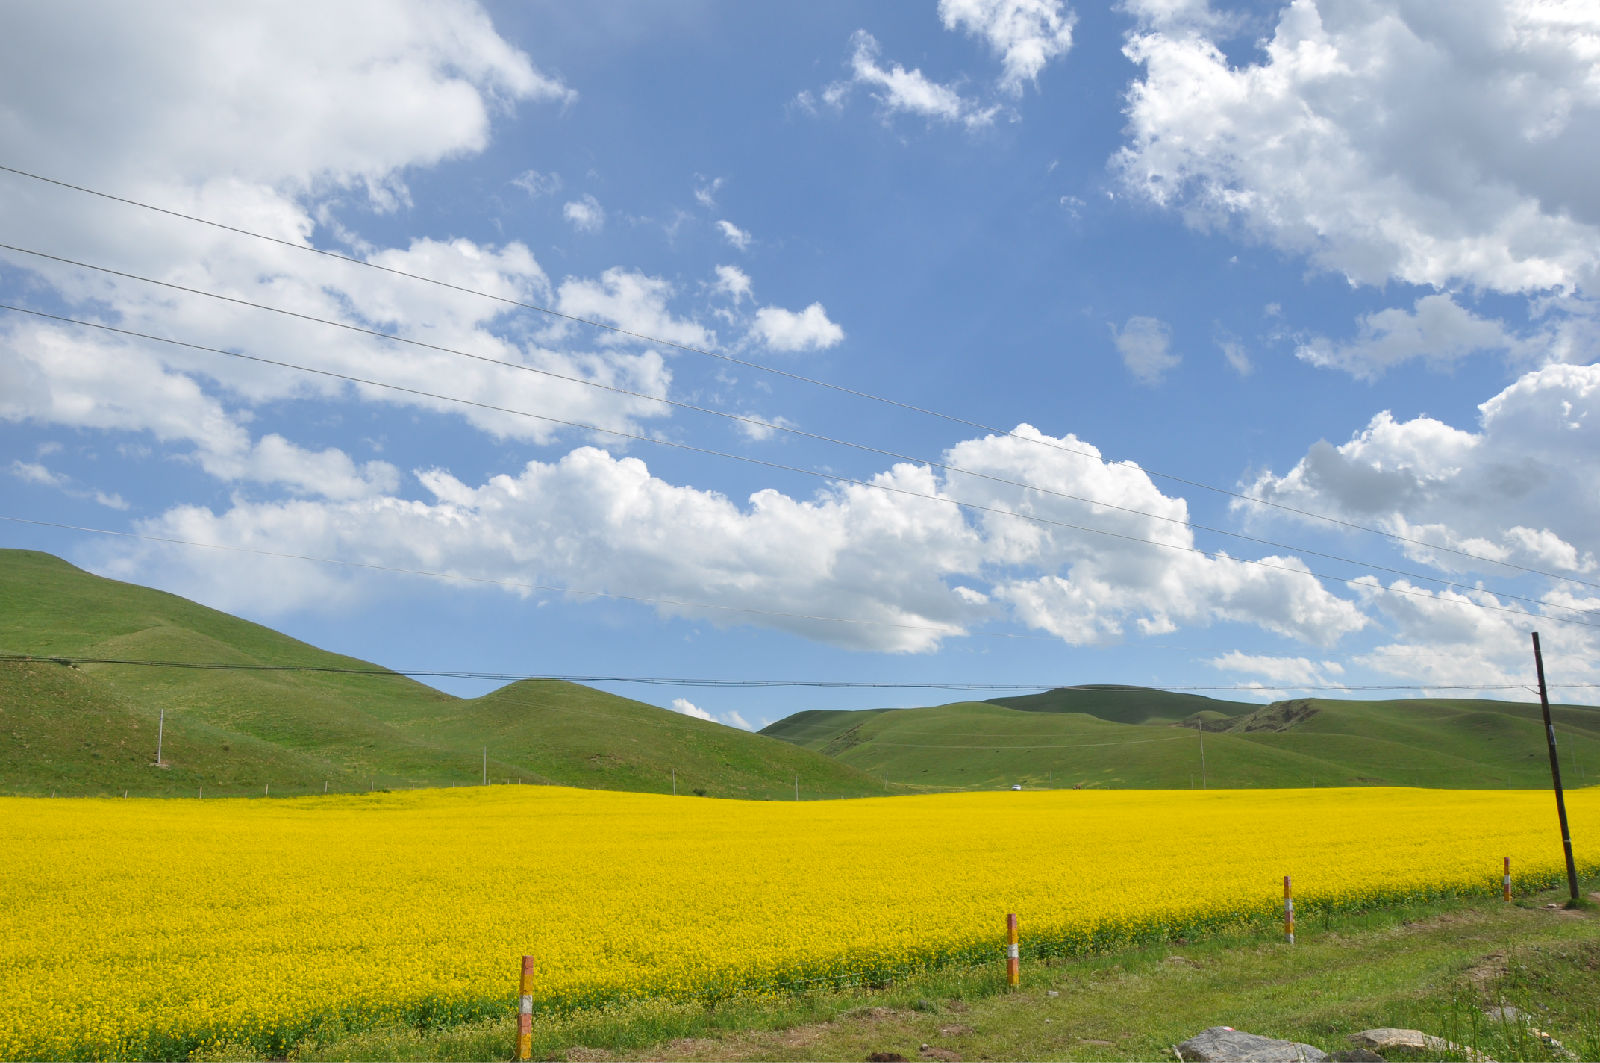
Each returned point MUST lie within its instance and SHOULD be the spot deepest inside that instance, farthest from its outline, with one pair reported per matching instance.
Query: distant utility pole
(1555, 769)
(486, 765)
(1202, 754)
(674, 782)
(797, 786)
(161, 727)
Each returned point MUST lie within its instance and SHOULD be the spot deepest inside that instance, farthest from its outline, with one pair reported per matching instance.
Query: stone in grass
(1391, 1037)
(1224, 1044)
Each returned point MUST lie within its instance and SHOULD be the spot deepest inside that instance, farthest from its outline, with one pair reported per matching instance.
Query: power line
(223, 666)
(777, 427)
(831, 478)
(709, 353)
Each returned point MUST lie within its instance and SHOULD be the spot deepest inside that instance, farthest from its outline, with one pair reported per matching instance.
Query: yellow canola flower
(149, 928)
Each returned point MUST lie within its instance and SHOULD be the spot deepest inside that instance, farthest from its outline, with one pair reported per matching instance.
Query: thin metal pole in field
(525, 1011)
(1013, 953)
(1505, 882)
(161, 729)
(486, 765)
(797, 786)
(1288, 911)
(1555, 770)
(674, 782)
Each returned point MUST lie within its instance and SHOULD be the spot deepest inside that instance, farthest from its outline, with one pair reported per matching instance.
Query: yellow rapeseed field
(140, 928)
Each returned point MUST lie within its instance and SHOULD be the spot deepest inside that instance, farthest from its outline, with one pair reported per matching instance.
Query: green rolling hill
(91, 729)
(1132, 737)
(1125, 704)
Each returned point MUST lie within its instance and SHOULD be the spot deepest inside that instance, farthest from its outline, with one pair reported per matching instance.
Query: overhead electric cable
(776, 427)
(709, 353)
(831, 478)
(843, 684)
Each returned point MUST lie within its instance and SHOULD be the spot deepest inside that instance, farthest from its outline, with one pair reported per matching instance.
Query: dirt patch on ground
(955, 1029)
(691, 1046)
(584, 1054)
(1433, 922)
(801, 1036)
(1490, 968)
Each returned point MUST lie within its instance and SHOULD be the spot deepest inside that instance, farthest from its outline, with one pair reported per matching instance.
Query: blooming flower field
(144, 928)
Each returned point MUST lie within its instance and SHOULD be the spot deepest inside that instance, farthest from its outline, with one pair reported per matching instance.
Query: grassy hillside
(1125, 704)
(91, 729)
(1315, 742)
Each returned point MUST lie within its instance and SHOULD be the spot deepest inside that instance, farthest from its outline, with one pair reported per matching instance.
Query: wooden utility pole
(1555, 770)
(161, 729)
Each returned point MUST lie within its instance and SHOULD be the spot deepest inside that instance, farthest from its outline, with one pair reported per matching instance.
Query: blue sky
(1337, 256)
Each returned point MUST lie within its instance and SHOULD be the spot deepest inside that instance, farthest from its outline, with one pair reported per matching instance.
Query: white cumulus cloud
(585, 214)
(733, 234)
(1145, 344)
(900, 569)
(1437, 330)
(786, 330)
(1386, 139)
(1519, 488)
(689, 708)
(731, 280)
(1025, 34)
(901, 91)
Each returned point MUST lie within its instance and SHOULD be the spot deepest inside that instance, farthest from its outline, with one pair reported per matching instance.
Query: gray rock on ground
(1392, 1037)
(1224, 1044)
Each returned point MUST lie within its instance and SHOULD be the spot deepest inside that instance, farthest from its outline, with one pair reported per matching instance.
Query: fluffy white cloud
(1145, 345)
(705, 193)
(1234, 352)
(1434, 144)
(903, 563)
(1283, 671)
(632, 301)
(538, 184)
(158, 95)
(733, 234)
(1443, 640)
(1519, 489)
(221, 111)
(785, 330)
(689, 708)
(898, 90)
(1437, 330)
(731, 280)
(586, 214)
(35, 473)
(1025, 34)
(86, 381)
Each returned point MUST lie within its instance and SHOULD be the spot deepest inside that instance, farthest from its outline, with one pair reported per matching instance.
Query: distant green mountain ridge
(92, 729)
(1105, 736)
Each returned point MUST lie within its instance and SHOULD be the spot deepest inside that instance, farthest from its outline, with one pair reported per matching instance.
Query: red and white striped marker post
(1288, 911)
(1505, 882)
(1013, 954)
(525, 1011)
